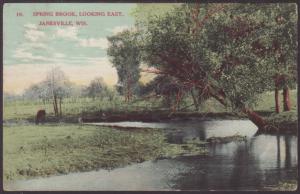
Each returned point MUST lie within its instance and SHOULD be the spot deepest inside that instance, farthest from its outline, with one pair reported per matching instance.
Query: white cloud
(93, 42)
(24, 55)
(67, 33)
(118, 29)
(30, 26)
(37, 40)
(34, 38)
(81, 60)
(58, 55)
(32, 33)
(34, 45)
(71, 33)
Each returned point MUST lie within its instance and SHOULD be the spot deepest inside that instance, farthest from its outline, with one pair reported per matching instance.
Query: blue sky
(30, 50)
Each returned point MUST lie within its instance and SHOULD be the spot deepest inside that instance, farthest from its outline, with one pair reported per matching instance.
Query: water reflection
(248, 165)
(260, 161)
(287, 152)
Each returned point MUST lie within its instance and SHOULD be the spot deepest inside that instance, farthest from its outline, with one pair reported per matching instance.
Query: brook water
(259, 162)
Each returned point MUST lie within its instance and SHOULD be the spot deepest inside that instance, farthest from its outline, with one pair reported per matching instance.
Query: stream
(261, 161)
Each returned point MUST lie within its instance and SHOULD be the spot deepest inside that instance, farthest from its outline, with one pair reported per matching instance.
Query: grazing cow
(40, 117)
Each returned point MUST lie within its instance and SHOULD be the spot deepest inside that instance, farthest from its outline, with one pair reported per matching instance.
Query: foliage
(279, 46)
(96, 88)
(37, 91)
(163, 86)
(124, 55)
(143, 11)
(284, 118)
(40, 91)
(211, 47)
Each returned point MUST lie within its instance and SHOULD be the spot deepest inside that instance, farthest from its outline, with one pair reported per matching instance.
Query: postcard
(150, 96)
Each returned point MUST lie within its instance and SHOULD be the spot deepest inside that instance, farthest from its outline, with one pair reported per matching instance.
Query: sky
(31, 50)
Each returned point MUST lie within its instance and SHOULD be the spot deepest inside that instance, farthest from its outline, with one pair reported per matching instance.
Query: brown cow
(40, 117)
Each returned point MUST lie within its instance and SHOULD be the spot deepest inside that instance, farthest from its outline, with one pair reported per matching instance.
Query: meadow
(52, 149)
(76, 107)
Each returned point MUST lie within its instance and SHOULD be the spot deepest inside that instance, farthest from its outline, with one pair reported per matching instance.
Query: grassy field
(267, 102)
(19, 110)
(44, 150)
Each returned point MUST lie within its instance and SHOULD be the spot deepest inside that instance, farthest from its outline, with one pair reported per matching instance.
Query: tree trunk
(255, 118)
(128, 89)
(277, 106)
(287, 152)
(167, 102)
(260, 122)
(55, 106)
(286, 99)
(60, 111)
(125, 97)
(196, 104)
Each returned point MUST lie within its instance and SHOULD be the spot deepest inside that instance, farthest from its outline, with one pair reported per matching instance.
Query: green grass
(267, 102)
(20, 110)
(285, 121)
(227, 139)
(290, 116)
(45, 150)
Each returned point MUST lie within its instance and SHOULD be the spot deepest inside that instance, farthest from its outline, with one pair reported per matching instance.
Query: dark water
(260, 161)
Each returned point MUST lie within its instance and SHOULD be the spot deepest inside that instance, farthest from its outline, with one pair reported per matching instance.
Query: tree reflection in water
(248, 165)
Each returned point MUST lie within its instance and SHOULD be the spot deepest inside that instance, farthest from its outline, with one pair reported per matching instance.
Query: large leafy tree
(144, 11)
(279, 48)
(210, 47)
(124, 55)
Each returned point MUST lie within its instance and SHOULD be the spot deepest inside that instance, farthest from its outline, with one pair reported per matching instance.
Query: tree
(166, 87)
(96, 88)
(210, 47)
(279, 47)
(37, 91)
(124, 55)
(143, 12)
(57, 86)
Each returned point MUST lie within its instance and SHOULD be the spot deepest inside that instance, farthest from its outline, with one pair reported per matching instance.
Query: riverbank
(143, 116)
(140, 110)
(291, 185)
(284, 122)
(52, 149)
